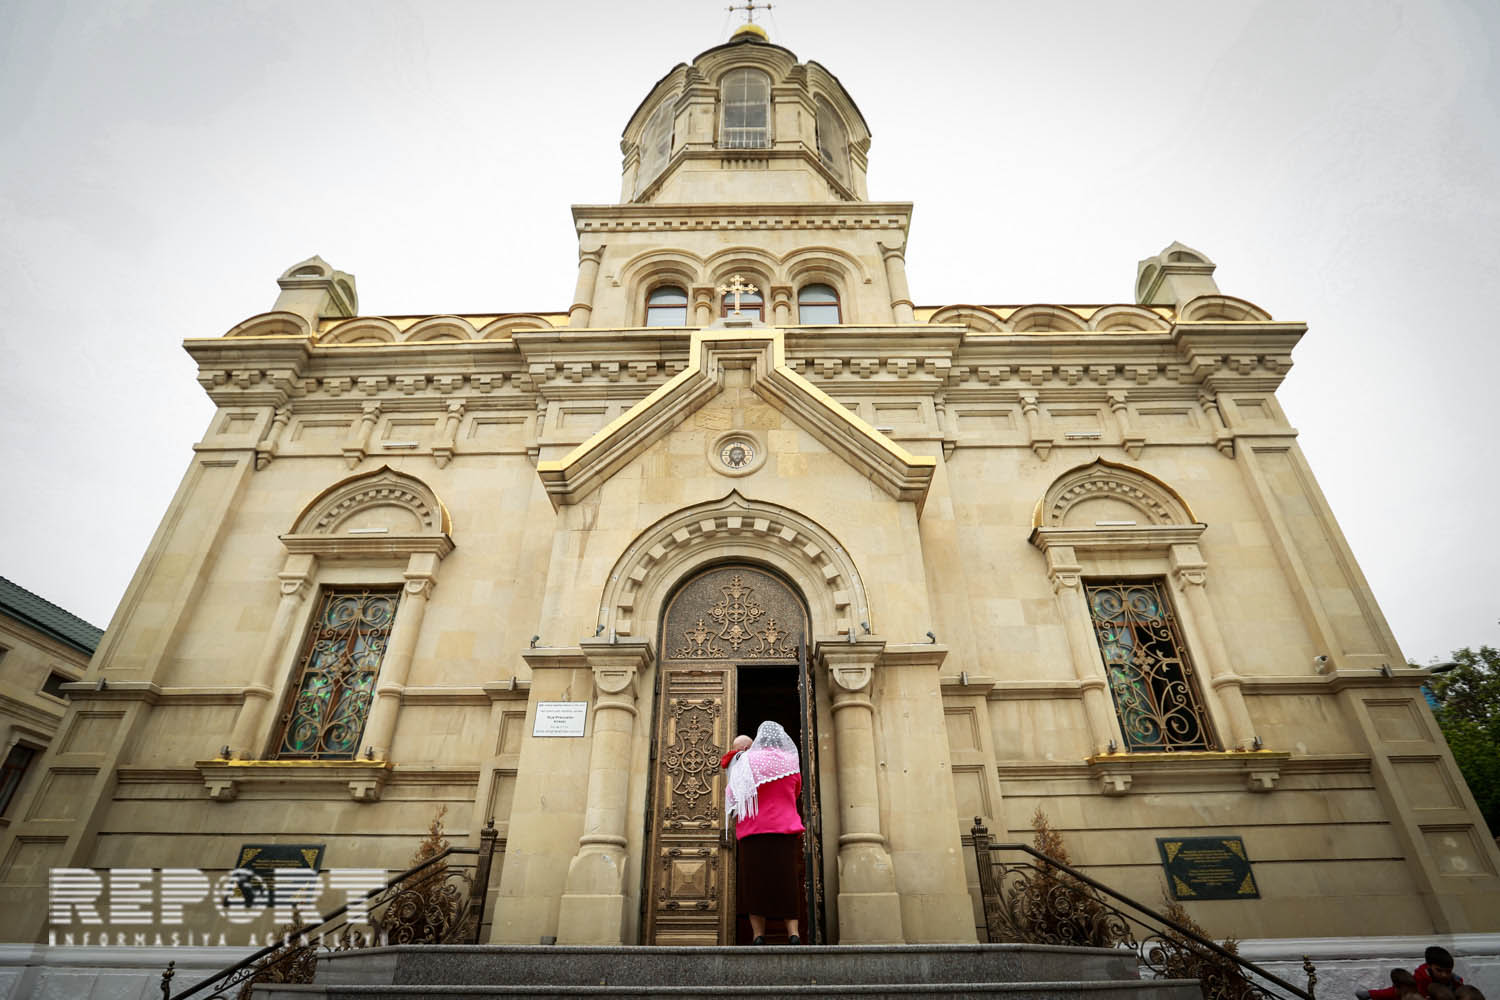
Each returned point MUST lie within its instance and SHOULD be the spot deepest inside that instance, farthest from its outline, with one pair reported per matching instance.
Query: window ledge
(225, 779)
(1116, 772)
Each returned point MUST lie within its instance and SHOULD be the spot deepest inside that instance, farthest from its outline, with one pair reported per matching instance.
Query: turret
(745, 123)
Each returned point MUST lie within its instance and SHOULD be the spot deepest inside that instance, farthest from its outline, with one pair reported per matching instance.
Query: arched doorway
(733, 642)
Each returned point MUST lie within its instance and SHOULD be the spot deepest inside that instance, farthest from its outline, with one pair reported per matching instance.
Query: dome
(750, 28)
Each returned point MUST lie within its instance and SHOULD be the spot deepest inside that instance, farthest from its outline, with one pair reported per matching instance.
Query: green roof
(21, 604)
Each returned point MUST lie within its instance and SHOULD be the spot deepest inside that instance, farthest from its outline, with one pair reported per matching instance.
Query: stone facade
(42, 650)
(941, 487)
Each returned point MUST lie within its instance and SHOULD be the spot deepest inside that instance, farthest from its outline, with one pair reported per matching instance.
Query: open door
(733, 644)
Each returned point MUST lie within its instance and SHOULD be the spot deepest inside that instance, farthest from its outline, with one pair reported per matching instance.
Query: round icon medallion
(737, 453)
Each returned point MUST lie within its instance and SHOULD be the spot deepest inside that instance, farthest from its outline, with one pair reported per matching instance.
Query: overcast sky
(162, 162)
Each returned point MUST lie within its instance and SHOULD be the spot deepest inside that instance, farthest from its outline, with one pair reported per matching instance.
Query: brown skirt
(768, 874)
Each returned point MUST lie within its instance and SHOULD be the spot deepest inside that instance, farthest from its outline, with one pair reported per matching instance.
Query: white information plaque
(560, 718)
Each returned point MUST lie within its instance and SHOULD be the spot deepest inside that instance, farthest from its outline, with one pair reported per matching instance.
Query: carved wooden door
(722, 619)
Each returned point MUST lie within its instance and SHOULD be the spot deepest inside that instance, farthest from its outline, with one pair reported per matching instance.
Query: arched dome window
(817, 305)
(746, 110)
(656, 143)
(833, 141)
(667, 306)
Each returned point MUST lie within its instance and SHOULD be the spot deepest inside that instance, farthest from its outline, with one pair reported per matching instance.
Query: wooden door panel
(690, 866)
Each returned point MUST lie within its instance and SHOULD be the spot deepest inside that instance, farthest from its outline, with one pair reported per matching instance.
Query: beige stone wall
(29, 716)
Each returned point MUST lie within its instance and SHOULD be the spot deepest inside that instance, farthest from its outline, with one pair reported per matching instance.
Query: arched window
(746, 110)
(667, 306)
(656, 144)
(833, 141)
(817, 305)
(751, 304)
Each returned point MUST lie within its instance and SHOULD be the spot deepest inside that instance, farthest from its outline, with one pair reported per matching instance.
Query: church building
(980, 560)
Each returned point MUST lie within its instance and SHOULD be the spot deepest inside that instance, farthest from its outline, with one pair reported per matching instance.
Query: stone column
(895, 276)
(359, 440)
(1041, 439)
(582, 308)
(869, 905)
(1223, 436)
(703, 305)
(781, 305)
(421, 577)
(1190, 573)
(265, 451)
(1088, 664)
(592, 910)
(249, 723)
(1130, 439)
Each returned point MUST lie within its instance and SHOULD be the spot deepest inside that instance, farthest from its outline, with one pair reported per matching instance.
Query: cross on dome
(737, 286)
(749, 9)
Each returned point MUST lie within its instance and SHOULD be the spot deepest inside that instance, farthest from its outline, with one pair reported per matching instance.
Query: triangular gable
(762, 351)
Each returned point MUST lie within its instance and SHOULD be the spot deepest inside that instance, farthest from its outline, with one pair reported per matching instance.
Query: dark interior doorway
(770, 692)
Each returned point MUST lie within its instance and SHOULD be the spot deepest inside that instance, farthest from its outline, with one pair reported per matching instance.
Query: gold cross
(737, 286)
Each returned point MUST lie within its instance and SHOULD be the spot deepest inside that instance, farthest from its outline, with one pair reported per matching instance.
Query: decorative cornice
(225, 779)
(762, 351)
(366, 546)
(1145, 537)
(650, 217)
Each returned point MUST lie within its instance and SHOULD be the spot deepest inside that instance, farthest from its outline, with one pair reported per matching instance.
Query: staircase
(956, 972)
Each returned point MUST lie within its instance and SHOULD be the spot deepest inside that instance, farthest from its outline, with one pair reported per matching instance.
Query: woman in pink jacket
(761, 797)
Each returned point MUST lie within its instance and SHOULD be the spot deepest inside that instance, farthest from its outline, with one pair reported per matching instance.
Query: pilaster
(593, 901)
(869, 904)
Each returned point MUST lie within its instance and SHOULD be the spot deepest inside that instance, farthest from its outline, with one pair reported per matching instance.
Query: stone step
(1164, 989)
(743, 966)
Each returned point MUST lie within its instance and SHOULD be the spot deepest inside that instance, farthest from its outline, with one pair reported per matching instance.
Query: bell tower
(745, 161)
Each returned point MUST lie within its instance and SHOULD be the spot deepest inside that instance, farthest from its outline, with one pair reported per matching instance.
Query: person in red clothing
(1436, 970)
(761, 795)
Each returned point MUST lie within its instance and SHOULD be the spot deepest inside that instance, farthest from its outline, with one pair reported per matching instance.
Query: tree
(1468, 711)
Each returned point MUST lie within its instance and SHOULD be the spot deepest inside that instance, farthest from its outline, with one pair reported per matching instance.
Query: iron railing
(1040, 900)
(435, 902)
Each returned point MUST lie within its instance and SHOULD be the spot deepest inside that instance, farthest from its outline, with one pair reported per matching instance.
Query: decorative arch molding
(734, 528)
(502, 327)
(805, 262)
(1046, 319)
(271, 324)
(976, 318)
(668, 266)
(1159, 503)
(773, 60)
(379, 513)
(438, 328)
(363, 330)
(1127, 319)
(1220, 309)
(726, 260)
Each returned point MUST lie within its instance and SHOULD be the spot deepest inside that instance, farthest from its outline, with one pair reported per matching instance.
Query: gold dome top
(750, 28)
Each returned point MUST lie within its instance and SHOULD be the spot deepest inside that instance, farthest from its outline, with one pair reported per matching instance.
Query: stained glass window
(1150, 676)
(330, 701)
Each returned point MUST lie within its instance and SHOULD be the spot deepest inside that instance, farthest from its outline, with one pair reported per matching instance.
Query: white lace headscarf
(773, 755)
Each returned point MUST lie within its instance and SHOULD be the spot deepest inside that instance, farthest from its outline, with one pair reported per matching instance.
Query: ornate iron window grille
(327, 707)
(1150, 676)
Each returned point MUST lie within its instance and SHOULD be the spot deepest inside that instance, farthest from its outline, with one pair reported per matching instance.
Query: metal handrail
(982, 843)
(307, 929)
